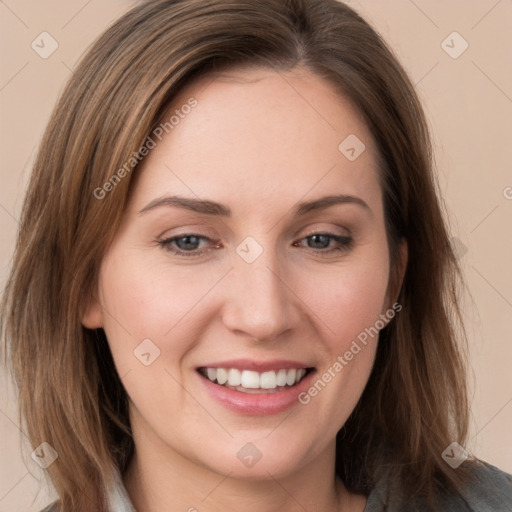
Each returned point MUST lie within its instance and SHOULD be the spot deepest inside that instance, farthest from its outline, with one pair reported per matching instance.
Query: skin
(258, 142)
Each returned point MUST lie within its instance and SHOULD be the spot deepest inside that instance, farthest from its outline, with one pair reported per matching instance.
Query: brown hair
(415, 402)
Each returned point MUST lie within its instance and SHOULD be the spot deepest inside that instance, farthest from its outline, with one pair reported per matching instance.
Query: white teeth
(234, 377)
(222, 376)
(281, 378)
(290, 377)
(268, 380)
(249, 379)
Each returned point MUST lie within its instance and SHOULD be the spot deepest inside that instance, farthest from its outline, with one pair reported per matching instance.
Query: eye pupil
(188, 242)
(319, 241)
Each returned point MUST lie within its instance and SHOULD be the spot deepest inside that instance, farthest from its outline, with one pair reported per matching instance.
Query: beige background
(469, 103)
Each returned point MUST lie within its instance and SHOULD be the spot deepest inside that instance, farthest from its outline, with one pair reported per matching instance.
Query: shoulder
(51, 508)
(488, 490)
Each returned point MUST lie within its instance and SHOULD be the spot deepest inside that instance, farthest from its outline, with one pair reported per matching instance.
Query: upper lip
(257, 366)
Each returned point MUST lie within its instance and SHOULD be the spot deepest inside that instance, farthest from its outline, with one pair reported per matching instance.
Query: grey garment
(490, 492)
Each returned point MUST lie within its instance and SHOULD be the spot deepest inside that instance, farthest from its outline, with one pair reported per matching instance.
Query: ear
(92, 317)
(397, 273)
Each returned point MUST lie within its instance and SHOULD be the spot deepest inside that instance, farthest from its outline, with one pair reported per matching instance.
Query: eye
(191, 244)
(324, 243)
(188, 244)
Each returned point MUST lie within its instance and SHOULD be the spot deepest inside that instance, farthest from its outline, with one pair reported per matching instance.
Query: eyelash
(346, 243)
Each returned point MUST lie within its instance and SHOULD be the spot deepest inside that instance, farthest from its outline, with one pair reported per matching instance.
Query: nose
(260, 303)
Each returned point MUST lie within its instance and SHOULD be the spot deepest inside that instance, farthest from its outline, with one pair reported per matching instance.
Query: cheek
(348, 304)
(348, 300)
(169, 307)
(142, 301)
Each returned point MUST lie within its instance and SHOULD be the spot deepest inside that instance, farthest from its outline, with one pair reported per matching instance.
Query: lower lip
(257, 404)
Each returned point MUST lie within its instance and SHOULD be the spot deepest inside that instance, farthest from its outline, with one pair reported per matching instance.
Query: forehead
(261, 133)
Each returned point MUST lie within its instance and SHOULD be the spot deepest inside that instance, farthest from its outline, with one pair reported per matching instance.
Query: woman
(233, 285)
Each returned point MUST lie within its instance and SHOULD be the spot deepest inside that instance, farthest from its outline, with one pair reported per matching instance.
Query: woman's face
(253, 249)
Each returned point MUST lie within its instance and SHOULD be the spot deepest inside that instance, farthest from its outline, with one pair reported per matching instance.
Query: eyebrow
(207, 207)
(327, 201)
(196, 205)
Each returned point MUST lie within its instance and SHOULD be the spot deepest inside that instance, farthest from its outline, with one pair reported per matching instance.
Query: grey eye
(187, 243)
(319, 241)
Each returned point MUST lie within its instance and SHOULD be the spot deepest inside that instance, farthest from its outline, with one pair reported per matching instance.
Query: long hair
(415, 403)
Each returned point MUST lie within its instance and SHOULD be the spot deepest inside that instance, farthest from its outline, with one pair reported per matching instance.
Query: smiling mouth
(249, 381)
